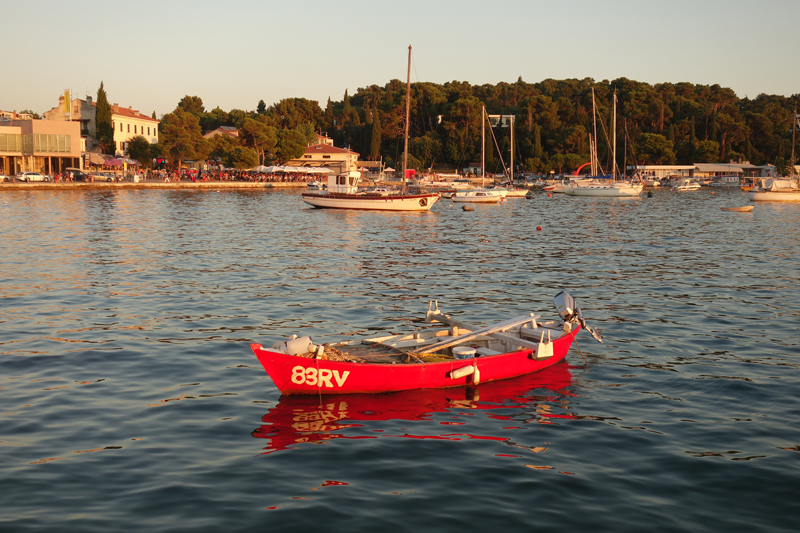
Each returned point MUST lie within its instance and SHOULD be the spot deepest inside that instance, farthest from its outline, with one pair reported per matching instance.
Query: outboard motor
(569, 311)
(565, 305)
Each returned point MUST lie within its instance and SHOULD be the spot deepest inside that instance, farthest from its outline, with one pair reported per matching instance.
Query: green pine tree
(537, 141)
(329, 115)
(105, 130)
(375, 141)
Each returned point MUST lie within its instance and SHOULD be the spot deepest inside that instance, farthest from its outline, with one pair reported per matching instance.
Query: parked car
(105, 175)
(7, 179)
(32, 176)
(78, 174)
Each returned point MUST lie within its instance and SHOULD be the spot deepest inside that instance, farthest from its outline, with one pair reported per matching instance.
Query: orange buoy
(538, 228)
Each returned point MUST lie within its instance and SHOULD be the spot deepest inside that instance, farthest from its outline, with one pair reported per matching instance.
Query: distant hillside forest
(666, 123)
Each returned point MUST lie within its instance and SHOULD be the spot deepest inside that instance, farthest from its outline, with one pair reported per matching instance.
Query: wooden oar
(476, 332)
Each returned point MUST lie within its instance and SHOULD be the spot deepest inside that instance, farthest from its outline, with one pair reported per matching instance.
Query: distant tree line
(666, 123)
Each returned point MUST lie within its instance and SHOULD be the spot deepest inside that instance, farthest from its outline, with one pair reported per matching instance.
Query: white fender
(462, 372)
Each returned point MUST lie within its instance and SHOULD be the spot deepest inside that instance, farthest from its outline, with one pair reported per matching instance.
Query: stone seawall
(152, 185)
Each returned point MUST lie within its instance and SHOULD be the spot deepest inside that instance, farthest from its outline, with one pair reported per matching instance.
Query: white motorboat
(687, 184)
(477, 196)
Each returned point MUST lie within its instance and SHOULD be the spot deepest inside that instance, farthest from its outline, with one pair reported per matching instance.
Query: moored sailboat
(608, 188)
(780, 189)
(343, 192)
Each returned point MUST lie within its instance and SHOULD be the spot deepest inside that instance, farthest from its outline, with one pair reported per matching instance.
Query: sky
(232, 53)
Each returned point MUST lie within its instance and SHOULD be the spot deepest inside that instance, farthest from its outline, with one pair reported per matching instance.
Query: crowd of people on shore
(190, 175)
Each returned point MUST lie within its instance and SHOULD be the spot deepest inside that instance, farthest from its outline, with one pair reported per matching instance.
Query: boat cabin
(344, 183)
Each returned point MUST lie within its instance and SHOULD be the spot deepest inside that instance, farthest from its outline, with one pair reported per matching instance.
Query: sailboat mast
(483, 141)
(624, 170)
(593, 147)
(794, 129)
(408, 119)
(614, 151)
(512, 150)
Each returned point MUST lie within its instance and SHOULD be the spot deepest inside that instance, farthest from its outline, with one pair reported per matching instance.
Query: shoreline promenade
(152, 184)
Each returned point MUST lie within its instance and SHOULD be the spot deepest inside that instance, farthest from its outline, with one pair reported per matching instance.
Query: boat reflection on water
(307, 419)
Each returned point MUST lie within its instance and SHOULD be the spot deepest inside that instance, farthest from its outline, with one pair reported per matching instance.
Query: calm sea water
(130, 400)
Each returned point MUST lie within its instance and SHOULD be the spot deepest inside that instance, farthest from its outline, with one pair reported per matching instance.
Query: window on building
(121, 126)
(326, 157)
(129, 128)
(134, 128)
(307, 157)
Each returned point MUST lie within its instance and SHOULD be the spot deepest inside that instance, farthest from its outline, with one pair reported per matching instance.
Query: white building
(129, 123)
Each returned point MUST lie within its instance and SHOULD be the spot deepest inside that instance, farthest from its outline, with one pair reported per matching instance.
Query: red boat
(462, 354)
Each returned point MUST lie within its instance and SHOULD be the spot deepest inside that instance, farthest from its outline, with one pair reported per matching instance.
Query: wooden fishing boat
(743, 209)
(437, 357)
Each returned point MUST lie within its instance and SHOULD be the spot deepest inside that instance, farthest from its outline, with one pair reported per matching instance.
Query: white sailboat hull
(480, 196)
(775, 196)
(477, 199)
(614, 190)
(417, 202)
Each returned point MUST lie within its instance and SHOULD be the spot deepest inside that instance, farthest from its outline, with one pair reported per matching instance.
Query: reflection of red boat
(297, 420)
(463, 354)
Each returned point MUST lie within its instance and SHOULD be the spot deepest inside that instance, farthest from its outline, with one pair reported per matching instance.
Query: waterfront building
(129, 123)
(327, 155)
(82, 111)
(705, 171)
(126, 121)
(44, 146)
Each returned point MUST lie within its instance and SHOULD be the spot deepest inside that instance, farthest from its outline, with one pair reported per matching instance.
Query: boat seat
(536, 333)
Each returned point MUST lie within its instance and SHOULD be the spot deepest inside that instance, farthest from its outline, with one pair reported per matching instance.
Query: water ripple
(129, 399)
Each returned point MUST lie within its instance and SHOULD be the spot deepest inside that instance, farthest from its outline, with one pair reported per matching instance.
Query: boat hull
(477, 199)
(417, 202)
(295, 375)
(774, 196)
(604, 191)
